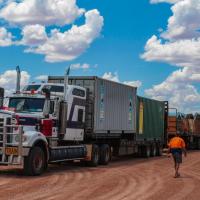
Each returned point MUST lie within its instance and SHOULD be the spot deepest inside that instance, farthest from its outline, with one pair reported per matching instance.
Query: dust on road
(127, 179)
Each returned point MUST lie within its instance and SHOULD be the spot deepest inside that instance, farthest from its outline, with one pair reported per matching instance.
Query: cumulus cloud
(41, 78)
(111, 76)
(37, 20)
(48, 12)
(8, 80)
(70, 44)
(184, 23)
(5, 37)
(184, 53)
(114, 77)
(34, 35)
(76, 66)
(180, 93)
(166, 1)
(178, 46)
(133, 83)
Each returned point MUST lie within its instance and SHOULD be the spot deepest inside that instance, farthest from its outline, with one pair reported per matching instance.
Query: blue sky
(127, 28)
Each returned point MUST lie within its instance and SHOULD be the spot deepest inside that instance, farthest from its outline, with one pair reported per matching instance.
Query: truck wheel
(198, 144)
(159, 150)
(146, 151)
(95, 156)
(34, 164)
(140, 151)
(104, 154)
(153, 150)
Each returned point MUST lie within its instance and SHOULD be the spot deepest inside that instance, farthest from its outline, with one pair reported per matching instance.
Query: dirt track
(125, 179)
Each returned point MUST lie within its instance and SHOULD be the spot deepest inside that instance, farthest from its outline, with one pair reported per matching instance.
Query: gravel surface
(125, 178)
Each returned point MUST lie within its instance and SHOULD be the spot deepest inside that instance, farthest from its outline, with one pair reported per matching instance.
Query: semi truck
(91, 120)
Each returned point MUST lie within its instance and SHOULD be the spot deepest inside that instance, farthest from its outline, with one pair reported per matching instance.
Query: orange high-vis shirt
(176, 142)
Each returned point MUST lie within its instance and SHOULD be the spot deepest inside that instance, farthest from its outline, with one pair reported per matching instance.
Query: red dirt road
(127, 179)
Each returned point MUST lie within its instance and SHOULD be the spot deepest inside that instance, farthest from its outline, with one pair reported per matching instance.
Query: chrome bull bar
(10, 150)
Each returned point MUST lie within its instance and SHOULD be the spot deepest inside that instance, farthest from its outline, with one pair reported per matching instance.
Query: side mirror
(47, 93)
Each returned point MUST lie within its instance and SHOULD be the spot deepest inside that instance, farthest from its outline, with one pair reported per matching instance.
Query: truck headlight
(24, 138)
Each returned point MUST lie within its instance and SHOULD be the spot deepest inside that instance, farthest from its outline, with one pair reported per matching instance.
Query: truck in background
(91, 120)
(188, 125)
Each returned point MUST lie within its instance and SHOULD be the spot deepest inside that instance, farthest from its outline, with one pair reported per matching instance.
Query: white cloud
(34, 35)
(184, 23)
(110, 76)
(181, 95)
(76, 66)
(183, 53)
(8, 80)
(57, 45)
(42, 78)
(179, 45)
(48, 12)
(70, 44)
(114, 77)
(166, 1)
(5, 37)
(133, 83)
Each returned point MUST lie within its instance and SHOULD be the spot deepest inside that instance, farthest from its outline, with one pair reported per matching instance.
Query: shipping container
(111, 106)
(150, 119)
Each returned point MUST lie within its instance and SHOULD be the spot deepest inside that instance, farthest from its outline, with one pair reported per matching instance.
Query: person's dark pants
(177, 157)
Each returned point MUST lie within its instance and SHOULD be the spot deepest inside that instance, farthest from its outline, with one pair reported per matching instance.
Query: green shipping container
(150, 119)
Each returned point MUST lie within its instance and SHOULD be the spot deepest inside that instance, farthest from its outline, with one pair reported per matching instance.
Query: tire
(35, 163)
(105, 154)
(159, 150)
(198, 144)
(140, 151)
(95, 156)
(146, 151)
(153, 150)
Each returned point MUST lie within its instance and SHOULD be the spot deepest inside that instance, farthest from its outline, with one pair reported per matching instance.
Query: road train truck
(93, 120)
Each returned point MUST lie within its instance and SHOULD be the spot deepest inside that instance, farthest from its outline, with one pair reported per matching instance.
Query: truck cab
(35, 128)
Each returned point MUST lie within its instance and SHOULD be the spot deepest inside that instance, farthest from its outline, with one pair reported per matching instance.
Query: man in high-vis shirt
(176, 147)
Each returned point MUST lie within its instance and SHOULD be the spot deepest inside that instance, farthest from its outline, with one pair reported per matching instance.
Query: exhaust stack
(1, 97)
(66, 78)
(18, 79)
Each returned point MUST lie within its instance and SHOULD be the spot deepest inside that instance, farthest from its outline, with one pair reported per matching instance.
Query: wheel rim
(148, 151)
(154, 151)
(38, 161)
(107, 156)
(96, 156)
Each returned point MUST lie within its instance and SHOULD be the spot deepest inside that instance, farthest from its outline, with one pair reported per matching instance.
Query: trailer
(187, 125)
(151, 124)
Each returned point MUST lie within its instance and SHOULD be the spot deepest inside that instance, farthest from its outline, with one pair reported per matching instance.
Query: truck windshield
(31, 87)
(26, 104)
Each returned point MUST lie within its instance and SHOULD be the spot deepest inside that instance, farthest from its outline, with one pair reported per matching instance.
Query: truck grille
(4, 121)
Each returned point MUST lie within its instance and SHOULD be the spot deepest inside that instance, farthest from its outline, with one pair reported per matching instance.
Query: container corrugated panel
(150, 119)
(172, 125)
(115, 107)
